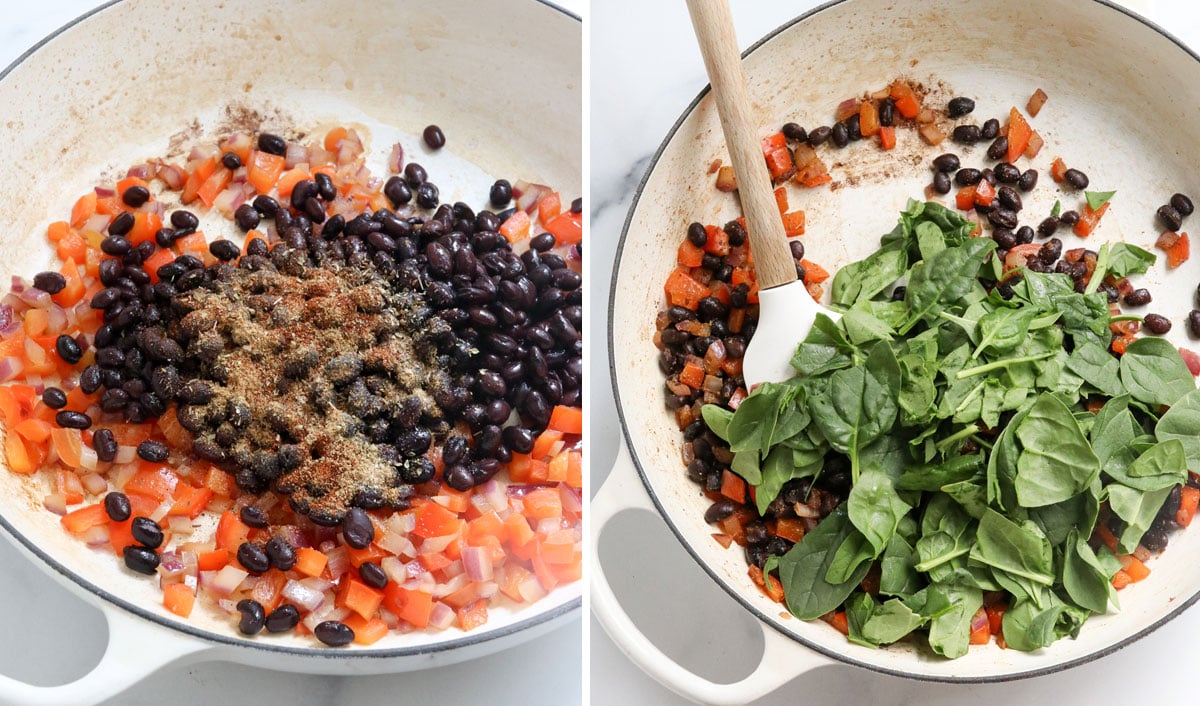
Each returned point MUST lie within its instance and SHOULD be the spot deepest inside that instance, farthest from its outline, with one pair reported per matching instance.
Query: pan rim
(357, 654)
(837, 655)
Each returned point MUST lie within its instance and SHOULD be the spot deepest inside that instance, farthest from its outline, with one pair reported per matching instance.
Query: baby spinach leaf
(860, 404)
(930, 240)
(1003, 330)
(1154, 373)
(1083, 577)
(947, 532)
(943, 279)
(1125, 259)
(865, 278)
(889, 622)
(1020, 550)
(1056, 460)
(1078, 513)
(859, 607)
(777, 469)
(1096, 199)
(717, 419)
(803, 568)
(1138, 509)
(853, 553)
(970, 494)
(1057, 209)
(862, 327)
(1028, 627)
(933, 476)
(956, 605)
(1162, 465)
(898, 575)
(1098, 367)
(753, 424)
(747, 465)
(824, 349)
(875, 508)
(1182, 422)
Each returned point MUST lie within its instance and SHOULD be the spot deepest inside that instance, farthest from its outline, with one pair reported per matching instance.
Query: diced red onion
(96, 536)
(296, 154)
(225, 581)
(56, 319)
(496, 493)
(224, 200)
(531, 196)
(18, 285)
(198, 153)
(224, 603)
(394, 568)
(141, 171)
(163, 508)
(397, 544)
(170, 564)
(518, 490)
(294, 536)
(482, 503)
(548, 525)
(339, 561)
(488, 589)
(441, 617)
(445, 588)
(56, 503)
(432, 545)
(158, 208)
(35, 297)
(415, 569)
(180, 524)
(94, 483)
(125, 454)
(389, 618)
(97, 222)
(396, 159)
(327, 611)
(803, 510)
(10, 368)
(453, 569)
(572, 500)
(104, 192)
(89, 460)
(402, 523)
(531, 589)
(171, 175)
(318, 156)
(477, 563)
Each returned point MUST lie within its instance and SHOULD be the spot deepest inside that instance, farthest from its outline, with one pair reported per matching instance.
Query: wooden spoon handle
(718, 44)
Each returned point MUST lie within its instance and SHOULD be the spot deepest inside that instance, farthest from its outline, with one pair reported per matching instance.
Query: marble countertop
(48, 618)
(634, 104)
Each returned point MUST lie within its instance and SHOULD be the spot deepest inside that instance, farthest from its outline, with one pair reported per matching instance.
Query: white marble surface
(645, 70)
(51, 637)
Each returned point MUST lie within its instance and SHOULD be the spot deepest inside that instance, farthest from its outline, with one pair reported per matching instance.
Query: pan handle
(782, 659)
(136, 649)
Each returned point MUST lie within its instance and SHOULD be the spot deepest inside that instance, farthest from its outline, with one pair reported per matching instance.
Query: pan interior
(81, 109)
(1120, 96)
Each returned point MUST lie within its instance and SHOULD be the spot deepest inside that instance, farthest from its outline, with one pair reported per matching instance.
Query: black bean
(1006, 173)
(887, 112)
(372, 574)
(68, 349)
(543, 242)
(115, 245)
(1075, 179)
(135, 196)
(967, 177)
(121, 224)
(147, 531)
(1028, 180)
(434, 137)
(518, 439)
(941, 183)
(960, 106)
(73, 420)
(818, 135)
(736, 232)
(719, 510)
(1005, 238)
(967, 134)
(253, 557)
(1193, 321)
(854, 127)
(1003, 218)
(797, 248)
(283, 618)
(141, 559)
(90, 379)
(49, 282)
(427, 195)
(1157, 324)
(840, 135)
(794, 132)
(253, 616)
(357, 529)
(281, 553)
(1182, 204)
(1138, 297)
(153, 451)
(991, 128)
(1068, 218)
(54, 398)
(1009, 198)
(1024, 235)
(1170, 217)
(314, 210)
(272, 144)
(224, 250)
(415, 174)
(325, 187)
(697, 235)
(998, 148)
(334, 633)
(116, 506)
(947, 162)
(246, 217)
(416, 471)
(501, 193)
(254, 517)
(1051, 251)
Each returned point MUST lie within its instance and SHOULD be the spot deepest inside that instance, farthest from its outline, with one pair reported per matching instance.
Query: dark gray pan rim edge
(357, 655)
(1179, 607)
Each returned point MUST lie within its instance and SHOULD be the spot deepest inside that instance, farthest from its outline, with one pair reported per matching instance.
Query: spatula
(786, 310)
